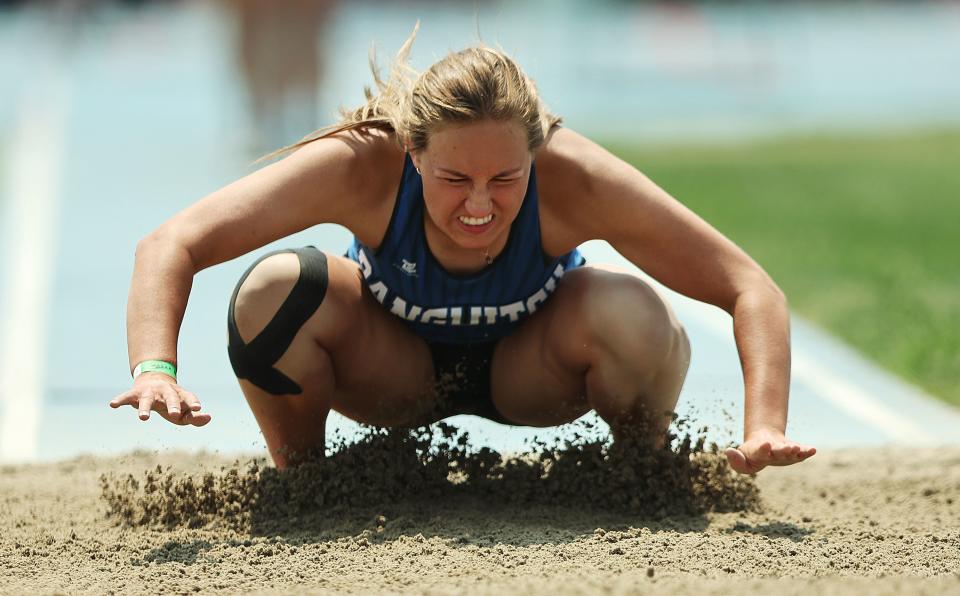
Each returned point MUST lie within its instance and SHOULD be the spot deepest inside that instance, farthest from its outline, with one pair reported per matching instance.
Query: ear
(415, 157)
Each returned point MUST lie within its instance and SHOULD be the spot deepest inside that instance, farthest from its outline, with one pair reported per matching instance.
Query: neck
(457, 259)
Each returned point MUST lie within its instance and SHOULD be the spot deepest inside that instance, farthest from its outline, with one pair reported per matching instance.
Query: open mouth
(476, 221)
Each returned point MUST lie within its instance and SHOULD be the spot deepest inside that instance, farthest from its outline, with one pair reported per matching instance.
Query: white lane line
(849, 398)
(34, 174)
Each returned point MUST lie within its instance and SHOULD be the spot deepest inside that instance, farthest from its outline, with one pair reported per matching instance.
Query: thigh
(383, 371)
(599, 317)
(351, 355)
(532, 382)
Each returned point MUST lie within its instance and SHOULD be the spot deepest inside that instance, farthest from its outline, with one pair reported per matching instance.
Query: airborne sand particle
(435, 466)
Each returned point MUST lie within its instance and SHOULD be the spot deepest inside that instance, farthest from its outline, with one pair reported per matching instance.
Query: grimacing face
(474, 179)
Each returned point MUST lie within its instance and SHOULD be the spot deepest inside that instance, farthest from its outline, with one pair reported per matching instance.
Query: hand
(766, 448)
(160, 392)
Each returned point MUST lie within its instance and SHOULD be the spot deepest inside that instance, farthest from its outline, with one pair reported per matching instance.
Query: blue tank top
(443, 307)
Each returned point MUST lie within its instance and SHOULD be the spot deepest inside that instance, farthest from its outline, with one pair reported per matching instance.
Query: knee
(621, 313)
(270, 304)
(261, 291)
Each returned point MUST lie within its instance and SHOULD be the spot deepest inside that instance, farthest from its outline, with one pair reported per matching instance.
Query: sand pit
(454, 521)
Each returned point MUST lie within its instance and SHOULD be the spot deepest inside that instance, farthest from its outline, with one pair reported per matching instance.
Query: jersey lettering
(512, 310)
(479, 315)
(399, 308)
(379, 290)
(437, 316)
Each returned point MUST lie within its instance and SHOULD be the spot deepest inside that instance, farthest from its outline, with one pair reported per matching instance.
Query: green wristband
(155, 366)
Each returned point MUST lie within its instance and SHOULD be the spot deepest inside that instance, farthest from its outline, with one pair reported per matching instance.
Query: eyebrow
(500, 175)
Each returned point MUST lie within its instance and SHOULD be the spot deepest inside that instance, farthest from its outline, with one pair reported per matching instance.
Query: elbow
(759, 289)
(155, 240)
(160, 241)
(769, 286)
(160, 235)
(146, 244)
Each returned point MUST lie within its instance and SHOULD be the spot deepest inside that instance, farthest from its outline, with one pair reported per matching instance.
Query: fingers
(189, 398)
(783, 454)
(125, 398)
(196, 418)
(141, 399)
(147, 398)
(803, 452)
(789, 453)
(188, 417)
(171, 400)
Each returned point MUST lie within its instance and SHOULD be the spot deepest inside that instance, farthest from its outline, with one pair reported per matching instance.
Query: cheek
(511, 199)
(441, 203)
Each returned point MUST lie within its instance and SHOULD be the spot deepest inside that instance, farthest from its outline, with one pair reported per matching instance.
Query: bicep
(666, 239)
(304, 189)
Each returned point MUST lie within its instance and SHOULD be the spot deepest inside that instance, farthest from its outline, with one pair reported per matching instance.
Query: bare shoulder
(349, 178)
(570, 168)
(367, 171)
(589, 193)
(379, 170)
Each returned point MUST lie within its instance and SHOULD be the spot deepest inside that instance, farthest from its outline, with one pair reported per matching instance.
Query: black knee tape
(254, 361)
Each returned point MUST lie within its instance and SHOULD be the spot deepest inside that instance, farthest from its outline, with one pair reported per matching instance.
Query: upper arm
(608, 199)
(326, 181)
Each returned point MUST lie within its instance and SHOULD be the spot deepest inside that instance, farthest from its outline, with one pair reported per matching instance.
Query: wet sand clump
(435, 467)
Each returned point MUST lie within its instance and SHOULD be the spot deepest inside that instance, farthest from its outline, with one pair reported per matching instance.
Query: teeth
(476, 221)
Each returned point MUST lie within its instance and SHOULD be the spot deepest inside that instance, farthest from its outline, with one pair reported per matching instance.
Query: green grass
(863, 235)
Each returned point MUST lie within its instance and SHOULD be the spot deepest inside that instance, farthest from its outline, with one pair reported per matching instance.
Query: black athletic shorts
(462, 373)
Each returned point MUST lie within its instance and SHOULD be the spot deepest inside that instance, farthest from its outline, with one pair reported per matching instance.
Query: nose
(478, 203)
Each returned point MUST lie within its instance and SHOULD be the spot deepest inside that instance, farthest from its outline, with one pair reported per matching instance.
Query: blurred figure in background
(278, 54)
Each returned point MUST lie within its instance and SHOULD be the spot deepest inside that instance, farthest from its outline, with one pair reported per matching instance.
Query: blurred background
(823, 137)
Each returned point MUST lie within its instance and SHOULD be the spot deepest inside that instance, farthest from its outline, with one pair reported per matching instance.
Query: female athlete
(463, 291)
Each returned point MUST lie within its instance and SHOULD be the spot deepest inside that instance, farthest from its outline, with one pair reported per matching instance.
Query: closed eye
(464, 180)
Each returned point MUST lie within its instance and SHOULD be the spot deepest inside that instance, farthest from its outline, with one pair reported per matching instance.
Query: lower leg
(637, 401)
(294, 426)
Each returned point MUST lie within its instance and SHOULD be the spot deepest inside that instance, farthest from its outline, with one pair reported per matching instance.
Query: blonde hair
(474, 84)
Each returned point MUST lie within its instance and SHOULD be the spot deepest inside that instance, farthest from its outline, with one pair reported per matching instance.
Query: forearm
(761, 325)
(162, 279)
